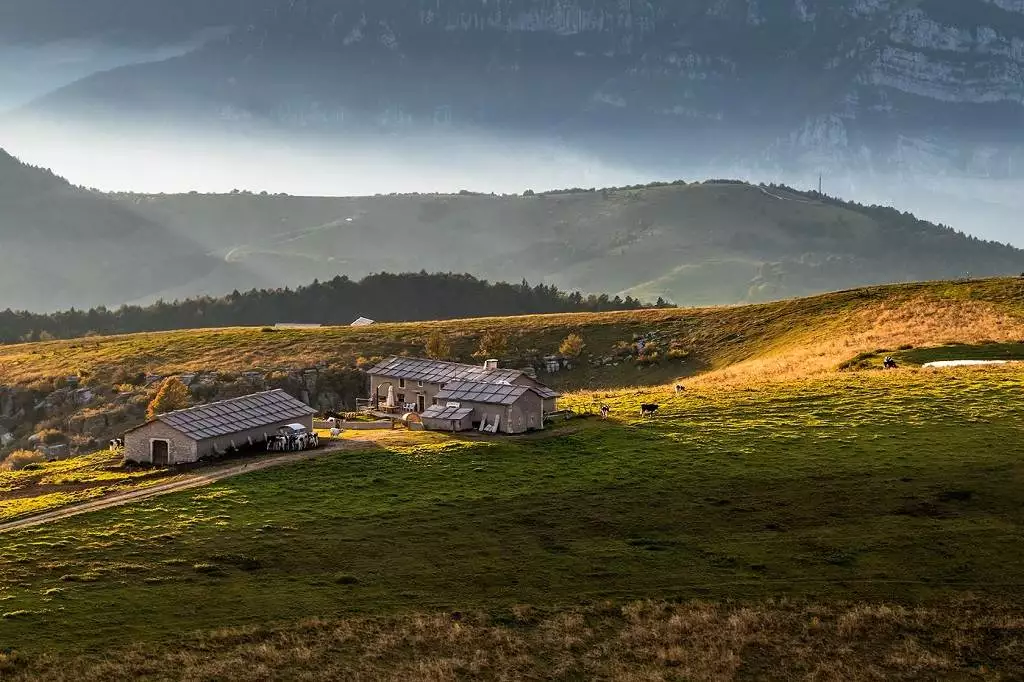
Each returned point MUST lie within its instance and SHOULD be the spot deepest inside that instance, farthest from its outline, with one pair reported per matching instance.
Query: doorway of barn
(161, 452)
(421, 402)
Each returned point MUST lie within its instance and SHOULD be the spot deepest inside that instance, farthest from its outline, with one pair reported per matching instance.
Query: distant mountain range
(846, 86)
(918, 103)
(705, 243)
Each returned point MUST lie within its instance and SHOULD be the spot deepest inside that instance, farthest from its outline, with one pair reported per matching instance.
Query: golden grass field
(637, 641)
(785, 339)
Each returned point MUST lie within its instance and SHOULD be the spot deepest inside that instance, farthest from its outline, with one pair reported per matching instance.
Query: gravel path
(199, 480)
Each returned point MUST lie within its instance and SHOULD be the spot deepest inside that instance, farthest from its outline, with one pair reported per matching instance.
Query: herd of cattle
(293, 442)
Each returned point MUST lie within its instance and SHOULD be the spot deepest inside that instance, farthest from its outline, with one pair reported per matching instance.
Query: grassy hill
(64, 246)
(695, 244)
(867, 525)
(779, 515)
(816, 332)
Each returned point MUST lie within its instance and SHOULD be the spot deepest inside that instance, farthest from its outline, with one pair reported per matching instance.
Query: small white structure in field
(362, 322)
(964, 363)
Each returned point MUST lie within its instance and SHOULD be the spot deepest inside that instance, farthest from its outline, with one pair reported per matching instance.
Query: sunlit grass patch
(15, 508)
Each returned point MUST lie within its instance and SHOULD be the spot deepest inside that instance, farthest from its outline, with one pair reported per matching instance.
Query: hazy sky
(187, 160)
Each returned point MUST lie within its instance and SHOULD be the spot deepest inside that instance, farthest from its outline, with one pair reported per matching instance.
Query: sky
(184, 160)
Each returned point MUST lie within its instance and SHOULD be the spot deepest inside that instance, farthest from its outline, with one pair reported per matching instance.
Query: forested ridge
(382, 297)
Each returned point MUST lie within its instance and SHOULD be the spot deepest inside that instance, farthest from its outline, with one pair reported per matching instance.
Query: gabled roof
(440, 372)
(237, 414)
(480, 392)
(443, 412)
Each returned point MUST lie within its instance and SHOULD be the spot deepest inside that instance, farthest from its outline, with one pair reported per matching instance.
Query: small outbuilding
(362, 322)
(187, 436)
(450, 417)
(497, 408)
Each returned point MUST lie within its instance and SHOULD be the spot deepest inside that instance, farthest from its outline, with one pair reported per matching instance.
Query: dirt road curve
(198, 480)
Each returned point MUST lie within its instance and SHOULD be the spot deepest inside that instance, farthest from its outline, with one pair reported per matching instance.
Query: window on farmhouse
(401, 383)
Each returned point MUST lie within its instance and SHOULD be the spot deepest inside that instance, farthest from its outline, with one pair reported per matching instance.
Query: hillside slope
(696, 244)
(719, 339)
(113, 378)
(62, 246)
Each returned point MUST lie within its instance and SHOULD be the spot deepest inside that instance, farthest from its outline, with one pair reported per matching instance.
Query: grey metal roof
(545, 392)
(442, 412)
(237, 414)
(479, 392)
(440, 372)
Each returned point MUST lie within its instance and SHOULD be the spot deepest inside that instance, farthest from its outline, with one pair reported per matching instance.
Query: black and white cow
(648, 409)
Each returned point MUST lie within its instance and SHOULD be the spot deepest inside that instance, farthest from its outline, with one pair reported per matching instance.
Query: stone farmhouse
(451, 396)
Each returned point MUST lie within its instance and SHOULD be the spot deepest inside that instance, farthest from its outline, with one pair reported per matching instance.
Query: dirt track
(198, 480)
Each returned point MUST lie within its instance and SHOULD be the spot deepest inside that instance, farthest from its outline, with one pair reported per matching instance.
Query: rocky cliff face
(914, 85)
(920, 85)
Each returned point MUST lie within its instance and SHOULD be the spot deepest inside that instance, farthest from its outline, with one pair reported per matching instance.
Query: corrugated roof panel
(238, 414)
(442, 412)
(437, 371)
(483, 393)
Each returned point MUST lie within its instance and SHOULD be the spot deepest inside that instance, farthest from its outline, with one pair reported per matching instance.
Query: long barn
(187, 436)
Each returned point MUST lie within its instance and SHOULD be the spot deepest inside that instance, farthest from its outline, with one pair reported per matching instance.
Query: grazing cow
(604, 411)
(889, 362)
(680, 388)
(648, 409)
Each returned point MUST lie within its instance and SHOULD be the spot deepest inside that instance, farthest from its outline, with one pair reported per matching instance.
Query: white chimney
(490, 364)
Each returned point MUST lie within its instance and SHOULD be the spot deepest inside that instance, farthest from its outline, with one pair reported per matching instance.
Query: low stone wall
(367, 426)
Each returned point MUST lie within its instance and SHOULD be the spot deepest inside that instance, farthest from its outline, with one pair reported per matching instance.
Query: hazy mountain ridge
(847, 84)
(702, 243)
(64, 246)
(693, 244)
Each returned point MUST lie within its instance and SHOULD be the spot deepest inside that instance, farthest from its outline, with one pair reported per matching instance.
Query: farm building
(500, 408)
(424, 386)
(453, 417)
(190, 435)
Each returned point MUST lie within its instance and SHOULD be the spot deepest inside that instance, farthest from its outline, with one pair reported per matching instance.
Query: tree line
(382, 297)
